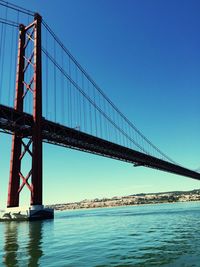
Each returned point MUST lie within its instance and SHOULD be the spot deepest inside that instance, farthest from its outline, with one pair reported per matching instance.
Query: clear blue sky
(146, 57)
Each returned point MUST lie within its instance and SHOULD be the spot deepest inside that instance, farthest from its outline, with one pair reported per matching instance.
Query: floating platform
(32, 213)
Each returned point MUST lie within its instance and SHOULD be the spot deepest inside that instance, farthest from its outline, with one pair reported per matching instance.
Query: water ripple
(152, 235)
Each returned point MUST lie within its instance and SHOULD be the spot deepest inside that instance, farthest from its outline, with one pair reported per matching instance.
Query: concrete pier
(32, 213)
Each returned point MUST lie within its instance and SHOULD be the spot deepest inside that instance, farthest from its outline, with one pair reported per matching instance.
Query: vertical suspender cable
(62, 89)
(3, 56)
(15, 62)
(95, 113)
(90, 109)
(47, 77)
(11, 67)
(70, 96)
(54, 75)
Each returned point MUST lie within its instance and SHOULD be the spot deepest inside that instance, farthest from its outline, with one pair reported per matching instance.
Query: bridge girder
(60, 135)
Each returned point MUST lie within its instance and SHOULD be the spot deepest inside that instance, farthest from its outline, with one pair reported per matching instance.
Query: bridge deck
(12, 121)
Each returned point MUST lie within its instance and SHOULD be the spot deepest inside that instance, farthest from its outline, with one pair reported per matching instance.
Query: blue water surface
(149, 235)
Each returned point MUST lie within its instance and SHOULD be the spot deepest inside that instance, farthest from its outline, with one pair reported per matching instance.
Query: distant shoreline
(107, 207)
(132, 200)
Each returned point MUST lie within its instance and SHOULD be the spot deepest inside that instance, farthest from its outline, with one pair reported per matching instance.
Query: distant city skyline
(145, 56)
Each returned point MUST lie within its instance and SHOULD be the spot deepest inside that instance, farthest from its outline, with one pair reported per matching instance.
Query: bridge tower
(33, 147)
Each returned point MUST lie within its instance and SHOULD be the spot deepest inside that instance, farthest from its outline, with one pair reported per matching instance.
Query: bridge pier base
(32, 213)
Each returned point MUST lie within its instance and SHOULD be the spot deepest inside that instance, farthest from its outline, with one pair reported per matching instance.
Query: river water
(149, 235)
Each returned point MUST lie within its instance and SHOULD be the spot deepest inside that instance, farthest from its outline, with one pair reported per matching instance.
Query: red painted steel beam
(15, 162)
(37, 117)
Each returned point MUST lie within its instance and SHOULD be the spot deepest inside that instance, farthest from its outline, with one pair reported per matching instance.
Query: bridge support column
(15, 162)
(21, 143)
(37, 117)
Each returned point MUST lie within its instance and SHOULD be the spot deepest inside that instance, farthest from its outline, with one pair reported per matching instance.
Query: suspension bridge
(46, 96)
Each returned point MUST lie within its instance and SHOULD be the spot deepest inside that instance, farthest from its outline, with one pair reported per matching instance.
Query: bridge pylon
(28, 81)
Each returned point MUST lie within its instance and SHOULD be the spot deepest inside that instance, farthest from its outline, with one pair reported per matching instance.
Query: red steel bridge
(46, 96)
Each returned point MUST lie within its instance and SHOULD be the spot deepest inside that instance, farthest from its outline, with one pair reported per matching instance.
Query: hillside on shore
(136, 199)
